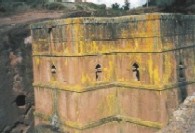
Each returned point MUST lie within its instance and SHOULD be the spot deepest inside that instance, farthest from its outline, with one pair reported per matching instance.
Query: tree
(126, 6)
(115, 6)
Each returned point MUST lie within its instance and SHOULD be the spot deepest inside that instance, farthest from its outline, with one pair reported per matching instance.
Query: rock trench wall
(16, 93)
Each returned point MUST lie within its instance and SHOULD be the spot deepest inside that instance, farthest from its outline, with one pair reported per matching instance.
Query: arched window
(53, 72)
(49, 30)
(98, 71)
(53, 69)
(181, 70)
(136, 74)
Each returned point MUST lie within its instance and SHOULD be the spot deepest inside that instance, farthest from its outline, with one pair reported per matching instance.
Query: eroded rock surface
(183, 119)
(16, 97)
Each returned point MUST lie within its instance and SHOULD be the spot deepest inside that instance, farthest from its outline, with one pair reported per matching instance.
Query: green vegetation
(116, 6)
(18, 5)
(54, 6)
(79, 7)
(90, 6)
(125, 7)
(36, 3)
(164, 2)
(15, 5)
(10, 6)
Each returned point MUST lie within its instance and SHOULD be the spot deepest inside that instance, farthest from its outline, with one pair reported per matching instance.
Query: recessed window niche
(98, 72)
(136, 73)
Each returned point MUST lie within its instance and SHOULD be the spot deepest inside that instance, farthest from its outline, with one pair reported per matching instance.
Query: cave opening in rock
(20, 100)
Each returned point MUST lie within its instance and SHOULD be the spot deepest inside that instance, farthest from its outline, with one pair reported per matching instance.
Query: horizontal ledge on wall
(56, 54)
(91, 20)
(111, 20)
(114, 39)
(115, 118)
(142, 122)
(86, 54)
(107, 85)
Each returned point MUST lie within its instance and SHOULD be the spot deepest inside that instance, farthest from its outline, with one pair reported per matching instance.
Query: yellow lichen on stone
(116, 44)
(111, 100)
(37, 60)
(168, 68)
(108, 105)
(150, 65)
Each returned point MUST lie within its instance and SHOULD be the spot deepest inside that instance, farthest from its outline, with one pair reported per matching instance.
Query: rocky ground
(183, 119)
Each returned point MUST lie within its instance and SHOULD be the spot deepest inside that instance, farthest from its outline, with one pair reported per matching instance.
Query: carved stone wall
(122, 74)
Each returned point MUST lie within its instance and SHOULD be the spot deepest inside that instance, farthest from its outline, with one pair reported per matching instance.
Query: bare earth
(30, 16)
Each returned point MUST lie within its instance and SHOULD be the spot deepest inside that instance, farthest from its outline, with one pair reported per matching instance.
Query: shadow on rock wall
(16, 91)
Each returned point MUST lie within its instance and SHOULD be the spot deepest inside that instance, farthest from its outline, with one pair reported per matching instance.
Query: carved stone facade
(111, 75)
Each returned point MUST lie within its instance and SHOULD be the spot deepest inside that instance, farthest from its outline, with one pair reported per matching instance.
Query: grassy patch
(54, 6)
(79, 7)
(14, 6)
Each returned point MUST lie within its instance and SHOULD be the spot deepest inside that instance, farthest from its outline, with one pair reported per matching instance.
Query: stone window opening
(98, 72)
(50, 29)
(181, 70)
(20, 100)
(136, 74)
(53, 69)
